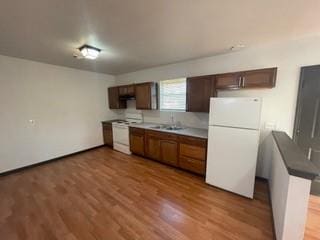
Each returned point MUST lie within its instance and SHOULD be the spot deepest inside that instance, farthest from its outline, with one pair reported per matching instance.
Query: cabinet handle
(240, 82)
(243, 81)
(315, 117)
(309, 153)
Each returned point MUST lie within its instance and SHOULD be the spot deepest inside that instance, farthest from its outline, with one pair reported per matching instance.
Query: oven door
(121, 134)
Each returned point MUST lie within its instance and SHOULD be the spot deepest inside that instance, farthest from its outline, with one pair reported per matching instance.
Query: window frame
(160, 96)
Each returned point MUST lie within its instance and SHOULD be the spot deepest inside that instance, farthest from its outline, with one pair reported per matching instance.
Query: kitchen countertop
(111, 121)
(294, 159)
(186, 131)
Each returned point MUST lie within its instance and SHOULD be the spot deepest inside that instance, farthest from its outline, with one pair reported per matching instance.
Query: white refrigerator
(233, 143)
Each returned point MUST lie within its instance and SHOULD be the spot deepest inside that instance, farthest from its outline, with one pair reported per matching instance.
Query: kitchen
(186, 147)
(160, 120)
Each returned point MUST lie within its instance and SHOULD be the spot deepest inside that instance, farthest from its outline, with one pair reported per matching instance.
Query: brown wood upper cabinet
(127, 91)
(114, 100)
(199, 91)
(146, 95)
(260, 78)
(228, 81)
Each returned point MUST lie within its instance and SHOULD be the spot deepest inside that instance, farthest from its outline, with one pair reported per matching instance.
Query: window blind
(173, 94)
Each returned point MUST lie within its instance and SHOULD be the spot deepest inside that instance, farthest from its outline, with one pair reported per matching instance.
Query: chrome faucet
(172, 119)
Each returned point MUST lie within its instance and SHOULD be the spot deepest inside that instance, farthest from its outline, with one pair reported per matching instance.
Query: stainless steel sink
(158, 127)
(166, 127)
(173, 128)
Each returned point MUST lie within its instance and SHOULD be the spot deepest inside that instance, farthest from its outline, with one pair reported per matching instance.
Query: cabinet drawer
(134, 130)
(162, 135)
(192, 165)
(193, 141)
(192, 151)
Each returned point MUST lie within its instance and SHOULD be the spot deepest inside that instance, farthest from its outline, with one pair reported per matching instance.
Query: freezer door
(235, 112)
(231, 160)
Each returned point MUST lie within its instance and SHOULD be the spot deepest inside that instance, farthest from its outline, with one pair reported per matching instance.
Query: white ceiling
(137, 34)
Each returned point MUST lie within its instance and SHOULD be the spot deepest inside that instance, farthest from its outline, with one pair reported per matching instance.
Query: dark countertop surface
(294, 159)
(111, 121)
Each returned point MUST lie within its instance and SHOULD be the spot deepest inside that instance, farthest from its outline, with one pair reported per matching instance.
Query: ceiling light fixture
(89, 52)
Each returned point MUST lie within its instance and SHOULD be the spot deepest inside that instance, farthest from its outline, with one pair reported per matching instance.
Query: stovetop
(129, 118)
(125, 122)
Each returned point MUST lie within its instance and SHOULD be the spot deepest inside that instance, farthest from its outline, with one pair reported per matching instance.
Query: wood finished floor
(313, 221)
(103, 194)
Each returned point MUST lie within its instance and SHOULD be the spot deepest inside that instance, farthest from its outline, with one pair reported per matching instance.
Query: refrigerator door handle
(240, 82)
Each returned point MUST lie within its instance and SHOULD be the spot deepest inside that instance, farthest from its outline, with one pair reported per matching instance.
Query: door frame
(298, 103)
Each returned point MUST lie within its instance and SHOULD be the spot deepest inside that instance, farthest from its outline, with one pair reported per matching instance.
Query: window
(173, 94)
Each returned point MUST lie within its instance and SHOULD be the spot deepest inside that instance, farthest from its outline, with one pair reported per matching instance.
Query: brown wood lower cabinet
(152, 147)
(107, 134)
(192, 154)
(169, 152)
(162, 147)
(188, 153)
(192, 165)
(137, 141)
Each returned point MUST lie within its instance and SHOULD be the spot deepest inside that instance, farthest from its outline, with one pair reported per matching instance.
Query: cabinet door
(123, 90)
(107, 134)
(262, 78)
(153, 147)
(228, 81)
(137, 140)
(169, 152)
(199, 91)
(137, 144)
(146, 96)
(131, 90)
(114, 101)
(126, 91)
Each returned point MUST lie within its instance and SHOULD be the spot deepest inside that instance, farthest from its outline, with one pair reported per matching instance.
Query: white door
(232, 158)
(235, 112)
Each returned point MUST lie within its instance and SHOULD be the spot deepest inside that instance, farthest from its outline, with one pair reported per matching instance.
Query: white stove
(120, 131)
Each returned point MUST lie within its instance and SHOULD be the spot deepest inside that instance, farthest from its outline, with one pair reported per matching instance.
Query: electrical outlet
(270, 126)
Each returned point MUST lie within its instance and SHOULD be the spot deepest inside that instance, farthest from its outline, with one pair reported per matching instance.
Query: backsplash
(196, 120)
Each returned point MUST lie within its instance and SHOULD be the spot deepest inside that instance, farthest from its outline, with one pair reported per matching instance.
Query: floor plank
(103, 194)
(313, 221)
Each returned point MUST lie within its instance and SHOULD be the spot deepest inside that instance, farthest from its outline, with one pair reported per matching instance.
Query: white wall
(289, 198)
(66, 104)
(197, 120)
(278, 103)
